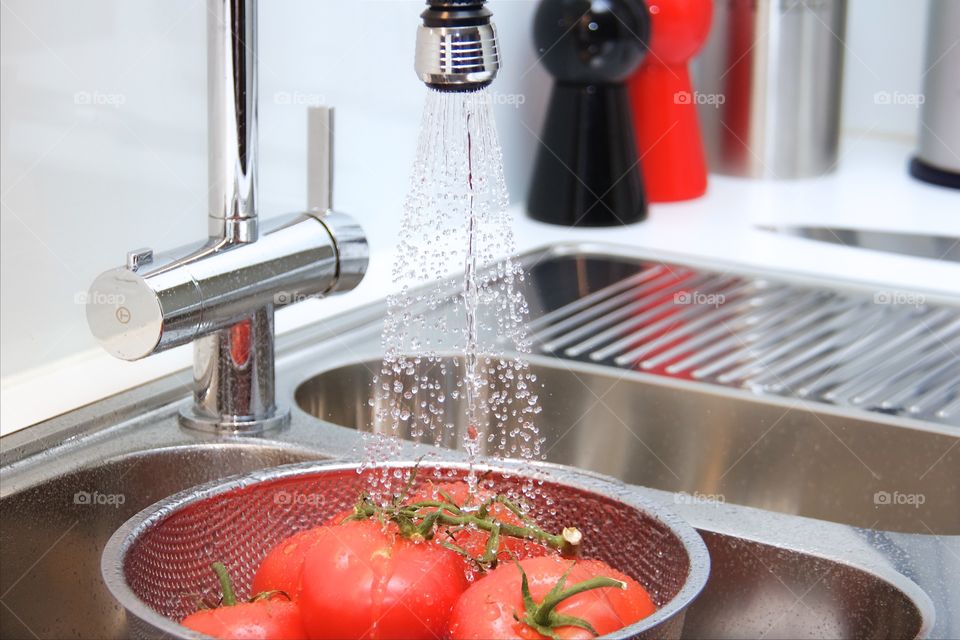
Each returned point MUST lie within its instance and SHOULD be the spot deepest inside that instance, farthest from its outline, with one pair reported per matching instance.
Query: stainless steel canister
(769, 86)
(938, 151)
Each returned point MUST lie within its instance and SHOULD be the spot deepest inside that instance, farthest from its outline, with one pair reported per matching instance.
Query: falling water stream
(453, 371)
(471, 302)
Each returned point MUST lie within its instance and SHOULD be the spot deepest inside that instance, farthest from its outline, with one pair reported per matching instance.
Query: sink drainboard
(887, 352)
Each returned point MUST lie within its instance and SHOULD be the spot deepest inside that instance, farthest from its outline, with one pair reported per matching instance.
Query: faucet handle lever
(319, 158)
(139, 257)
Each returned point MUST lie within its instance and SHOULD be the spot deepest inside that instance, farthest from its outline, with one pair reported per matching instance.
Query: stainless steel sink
(782, 490)
(764, 591)
(808, 460)
(53, 533)
(779, 593)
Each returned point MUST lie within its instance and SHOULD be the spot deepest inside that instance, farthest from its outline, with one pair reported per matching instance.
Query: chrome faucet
(221, 294)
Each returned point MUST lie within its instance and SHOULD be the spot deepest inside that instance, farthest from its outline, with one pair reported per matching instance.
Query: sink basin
(761, 591)
(712, 443)
(52, 534)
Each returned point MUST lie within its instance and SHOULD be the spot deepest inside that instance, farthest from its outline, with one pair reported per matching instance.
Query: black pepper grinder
(587, 171)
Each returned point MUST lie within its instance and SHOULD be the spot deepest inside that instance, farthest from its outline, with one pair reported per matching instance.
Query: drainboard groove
(854, 368)
(752, 325)
(818, 374)
(769, 337)
(626, 318)
(951, 412)
(665, 326)
(606, 312)
(904, 399)
(657, 303)
(588, 300)
(795, 338)
(701, 316)
(760, 345)
(780, 377)
(737, 319)
(874, 381)
(900, 377)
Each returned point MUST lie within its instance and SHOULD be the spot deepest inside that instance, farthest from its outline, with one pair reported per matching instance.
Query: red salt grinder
(664, 104)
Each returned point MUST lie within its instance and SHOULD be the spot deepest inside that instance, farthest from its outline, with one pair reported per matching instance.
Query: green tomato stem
(446, 513)
(226, 585)
(550, 602)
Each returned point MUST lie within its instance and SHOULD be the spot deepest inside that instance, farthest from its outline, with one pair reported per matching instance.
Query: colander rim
(116, 549)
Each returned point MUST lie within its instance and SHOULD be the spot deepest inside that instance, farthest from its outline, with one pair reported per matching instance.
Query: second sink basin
(711, 443)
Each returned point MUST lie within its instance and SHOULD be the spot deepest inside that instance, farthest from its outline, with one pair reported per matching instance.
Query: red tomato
(473, 540)
(280, 569)
(361, 581)
(485, 611)
(263, 620)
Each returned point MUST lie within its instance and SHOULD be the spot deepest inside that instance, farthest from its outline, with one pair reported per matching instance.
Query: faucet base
(190, 418)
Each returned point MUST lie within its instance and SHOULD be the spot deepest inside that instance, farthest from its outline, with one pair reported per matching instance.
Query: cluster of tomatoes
(443, 563)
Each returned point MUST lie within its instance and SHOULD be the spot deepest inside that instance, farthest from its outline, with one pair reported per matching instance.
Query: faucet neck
(232, 119)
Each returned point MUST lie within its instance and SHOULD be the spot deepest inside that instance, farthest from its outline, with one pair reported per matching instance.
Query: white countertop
(870, 190)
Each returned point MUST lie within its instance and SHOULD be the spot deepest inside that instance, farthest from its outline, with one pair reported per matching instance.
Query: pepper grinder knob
(587, 171)
(665, 104)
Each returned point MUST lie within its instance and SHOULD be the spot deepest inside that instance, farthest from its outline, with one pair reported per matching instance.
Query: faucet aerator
(457, 46)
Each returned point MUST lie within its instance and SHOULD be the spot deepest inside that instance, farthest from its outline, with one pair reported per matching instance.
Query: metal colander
(158, 563)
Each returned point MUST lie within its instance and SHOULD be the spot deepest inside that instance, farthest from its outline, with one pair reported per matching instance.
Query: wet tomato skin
(486, 610)
(360, 580)
(281, 567)
(275, 619)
